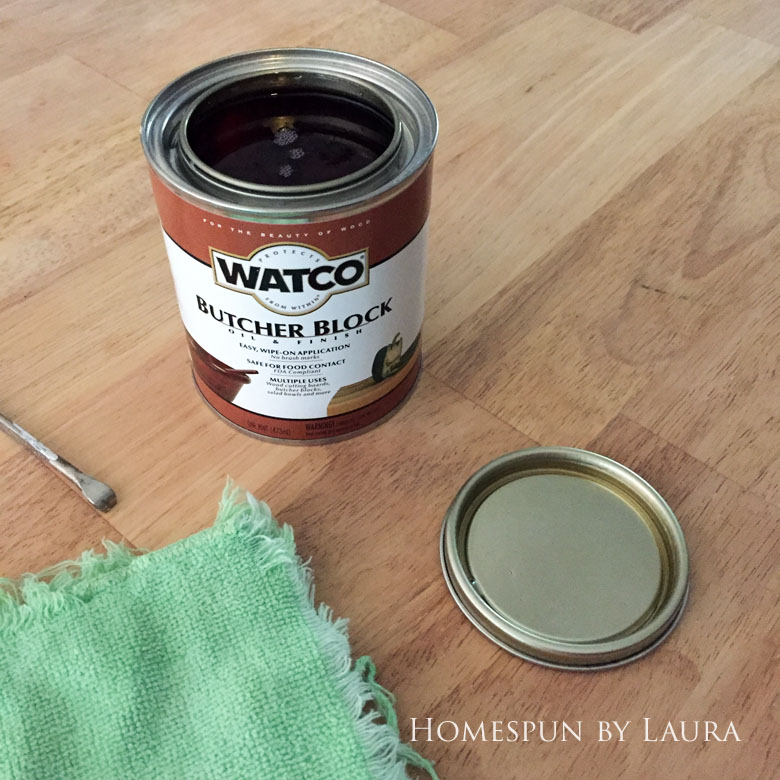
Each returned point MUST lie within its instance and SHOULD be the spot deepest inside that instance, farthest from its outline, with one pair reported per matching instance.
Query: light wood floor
(603, 273)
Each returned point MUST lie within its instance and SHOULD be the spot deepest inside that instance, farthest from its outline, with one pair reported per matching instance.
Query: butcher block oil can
(293, 187)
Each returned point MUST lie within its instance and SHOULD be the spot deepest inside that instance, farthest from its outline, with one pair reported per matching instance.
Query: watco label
(307, 331)
(290, 278)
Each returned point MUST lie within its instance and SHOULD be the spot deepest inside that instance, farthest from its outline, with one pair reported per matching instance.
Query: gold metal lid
(566, 558)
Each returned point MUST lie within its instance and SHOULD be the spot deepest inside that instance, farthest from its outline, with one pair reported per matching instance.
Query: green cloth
(206, 659)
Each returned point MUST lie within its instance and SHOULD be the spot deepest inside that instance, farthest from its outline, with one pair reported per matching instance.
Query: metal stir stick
(100, 495)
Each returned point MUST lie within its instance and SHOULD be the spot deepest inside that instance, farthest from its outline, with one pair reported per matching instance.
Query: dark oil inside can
(287, 136)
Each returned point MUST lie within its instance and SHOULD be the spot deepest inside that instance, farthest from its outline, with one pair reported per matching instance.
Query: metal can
(293, 187)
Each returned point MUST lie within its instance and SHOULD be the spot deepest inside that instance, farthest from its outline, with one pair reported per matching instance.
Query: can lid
(566, 558)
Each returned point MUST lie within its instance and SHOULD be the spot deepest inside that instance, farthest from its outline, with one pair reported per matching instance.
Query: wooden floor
(603, 274)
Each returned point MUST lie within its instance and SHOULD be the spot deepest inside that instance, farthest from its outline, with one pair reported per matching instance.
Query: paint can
(293, 187)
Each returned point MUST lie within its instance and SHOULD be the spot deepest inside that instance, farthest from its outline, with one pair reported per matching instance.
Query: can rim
(417, 125)
(194, 160)
(526, 644)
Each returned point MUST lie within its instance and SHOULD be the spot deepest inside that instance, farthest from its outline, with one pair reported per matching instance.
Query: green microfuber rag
(206, 659)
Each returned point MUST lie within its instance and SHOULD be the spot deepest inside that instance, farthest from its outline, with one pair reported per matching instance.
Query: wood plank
(650, 293)
(758, 18)
(190, 33)
(18, 55)
(526, 191)
(719, 400)
(488, 110)
(65, 196)
(723, 645)
(86, 339)
(633, 15)
(469, 21)
(44, 522)
(722, 400)
(381, 31)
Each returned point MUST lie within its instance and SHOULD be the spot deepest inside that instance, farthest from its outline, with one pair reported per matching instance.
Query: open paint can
(293, 187)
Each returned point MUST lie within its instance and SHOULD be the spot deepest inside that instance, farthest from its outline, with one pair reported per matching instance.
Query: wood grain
(633, 15)
(671, 284)
(493, 16)
(603, 273)
(528, 188)
(47, 525)
(759, 18)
